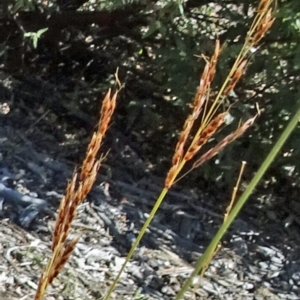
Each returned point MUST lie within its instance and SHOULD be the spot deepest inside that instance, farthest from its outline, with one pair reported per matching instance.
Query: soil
(43, 140)
(48, 112)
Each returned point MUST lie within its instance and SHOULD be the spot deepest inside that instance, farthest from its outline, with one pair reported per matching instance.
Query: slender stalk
(137, 241)
(210, 121)
(231, 217)
(76, 192)
(142, 232)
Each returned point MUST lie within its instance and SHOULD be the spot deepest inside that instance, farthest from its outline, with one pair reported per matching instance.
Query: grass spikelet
(264, 27)
(235, 78)
(227, 140)
(260, 25)
(198, 103)
(206, 134)
(213, 61)
(76, 192)
(63, 258)
(170, 176)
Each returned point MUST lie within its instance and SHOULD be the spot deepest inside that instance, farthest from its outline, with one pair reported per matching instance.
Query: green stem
(137, 241)
(244, 197)
(143, 230)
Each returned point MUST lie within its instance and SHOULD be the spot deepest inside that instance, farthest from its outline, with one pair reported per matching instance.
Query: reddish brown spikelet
(213, 62)
(91, 154)
(64, 257)
(170, 176)
(266, 21)
(39, 294)
(178, 154)
(206, 134)
(53, 272)
(89, 181)
(63, 212)
(202, 85)
(179, 149)
(262, 5)
(107, 109)
(70, 215)
(228, 139)
(240, 70)
(261, 32)
(105, 105)
(236, 77)
(76, 192)
(65, 223)
(206, 77)
(199, 100)
(109, 106)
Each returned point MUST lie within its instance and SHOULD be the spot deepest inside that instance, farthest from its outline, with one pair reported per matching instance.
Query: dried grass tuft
(76, 192)
(211, 119)
(227, 140)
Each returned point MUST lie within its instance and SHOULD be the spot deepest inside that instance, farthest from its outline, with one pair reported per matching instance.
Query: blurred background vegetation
(157, 46)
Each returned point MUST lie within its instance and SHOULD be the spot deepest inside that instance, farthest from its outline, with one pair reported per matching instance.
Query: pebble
(263, 265)
(296, 277)
(248, 286)
(277, 260)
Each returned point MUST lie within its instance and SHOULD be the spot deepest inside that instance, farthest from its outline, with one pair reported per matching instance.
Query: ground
(43, 140)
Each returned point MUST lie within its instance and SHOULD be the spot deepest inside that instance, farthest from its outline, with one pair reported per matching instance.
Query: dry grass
(76, 192)
(211, 122)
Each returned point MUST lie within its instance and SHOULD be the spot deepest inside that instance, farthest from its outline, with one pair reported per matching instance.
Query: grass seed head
(206, 134)
(75, 193)
(227, 140)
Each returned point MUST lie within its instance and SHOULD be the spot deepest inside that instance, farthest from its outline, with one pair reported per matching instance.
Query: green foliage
(271, 78)
(35, 36)
(210, 250)
(24, 5)
(178, 31)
